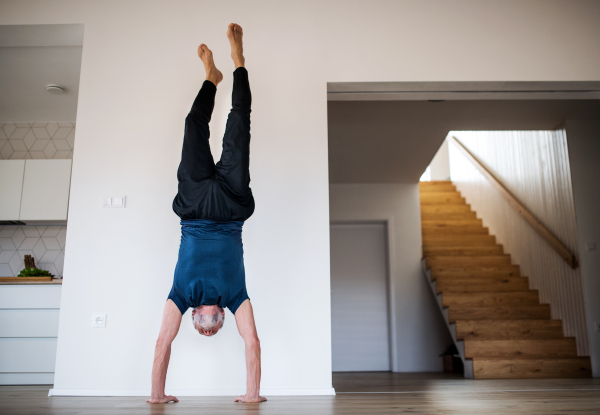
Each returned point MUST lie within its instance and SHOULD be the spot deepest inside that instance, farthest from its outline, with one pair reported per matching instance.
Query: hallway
(357, 393)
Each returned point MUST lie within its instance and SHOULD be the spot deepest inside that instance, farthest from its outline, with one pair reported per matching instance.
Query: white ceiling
(394, 141)
(31, 57)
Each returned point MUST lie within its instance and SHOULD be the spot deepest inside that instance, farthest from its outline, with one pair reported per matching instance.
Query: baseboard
(191, 392)
(45, 378)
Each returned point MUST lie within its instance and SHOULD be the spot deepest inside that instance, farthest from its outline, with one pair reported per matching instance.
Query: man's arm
(244, 317)
(168, 330)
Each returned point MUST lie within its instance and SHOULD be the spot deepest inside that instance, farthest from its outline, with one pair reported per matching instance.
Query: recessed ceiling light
(55, 89)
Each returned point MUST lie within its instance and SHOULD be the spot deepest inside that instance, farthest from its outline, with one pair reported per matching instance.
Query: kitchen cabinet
(46, 185)
(11, 186)
(28, 333)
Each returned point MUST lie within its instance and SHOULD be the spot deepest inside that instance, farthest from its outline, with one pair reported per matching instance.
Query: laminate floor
(357, 393)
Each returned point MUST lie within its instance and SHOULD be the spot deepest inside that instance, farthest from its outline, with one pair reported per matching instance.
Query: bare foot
(234, 34)
(212, 73)
(249, 399)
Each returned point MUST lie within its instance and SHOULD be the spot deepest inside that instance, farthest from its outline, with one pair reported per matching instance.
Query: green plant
(34, 272)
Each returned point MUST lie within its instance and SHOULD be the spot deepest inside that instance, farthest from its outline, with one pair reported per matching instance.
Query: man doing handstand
(213, 201)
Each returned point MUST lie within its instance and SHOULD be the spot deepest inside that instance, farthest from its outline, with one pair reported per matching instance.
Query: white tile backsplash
(50, 150)
(50, 243)
(47, 140)
(30, 231)
(5, 270)
(6, 256)
(18, 237)
(9, 128)
(6, 244)
(29, 243)
(7, 231)
(19, 133)
(49, 256)
(18, 145)
(52, 127)
(15, 263)
(39, 249)
(48, 250)
(51, 231)
(6, 151)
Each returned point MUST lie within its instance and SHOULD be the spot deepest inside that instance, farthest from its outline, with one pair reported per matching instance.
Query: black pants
(218, 192)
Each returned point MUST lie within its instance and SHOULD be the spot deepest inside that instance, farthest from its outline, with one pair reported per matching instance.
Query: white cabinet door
(46, 187)
(11, 186)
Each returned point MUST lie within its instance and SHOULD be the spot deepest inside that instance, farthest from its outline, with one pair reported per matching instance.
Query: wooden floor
(357, 393)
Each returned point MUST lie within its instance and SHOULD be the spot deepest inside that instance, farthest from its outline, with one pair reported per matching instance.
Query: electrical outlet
(99, 321)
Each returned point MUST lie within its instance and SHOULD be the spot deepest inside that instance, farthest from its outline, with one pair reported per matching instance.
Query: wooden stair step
(512, 312)
(532, 348)
(451, 222)
(444, 199)
(463, 250)
(462, 240)
(454, 230)
(487, 299)
(508, 329)
(476, 271)
(573, 367)
(483, 260)
(435, 182)
(439, 188)
(452, 208)
(448, 215)
(487, 284)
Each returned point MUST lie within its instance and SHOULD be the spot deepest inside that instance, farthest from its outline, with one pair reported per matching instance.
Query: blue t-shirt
(210, 269)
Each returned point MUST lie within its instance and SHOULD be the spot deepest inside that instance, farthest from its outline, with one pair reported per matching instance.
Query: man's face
(208, 310)
(209, 332)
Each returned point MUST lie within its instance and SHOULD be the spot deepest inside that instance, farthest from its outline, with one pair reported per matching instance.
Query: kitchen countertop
(17, 282)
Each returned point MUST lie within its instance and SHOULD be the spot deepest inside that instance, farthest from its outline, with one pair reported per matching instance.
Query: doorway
(359, 297)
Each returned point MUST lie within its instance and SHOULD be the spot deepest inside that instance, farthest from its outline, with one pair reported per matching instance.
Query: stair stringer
(460, 344)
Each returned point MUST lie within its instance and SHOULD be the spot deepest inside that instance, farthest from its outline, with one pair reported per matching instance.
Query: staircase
(498, 324)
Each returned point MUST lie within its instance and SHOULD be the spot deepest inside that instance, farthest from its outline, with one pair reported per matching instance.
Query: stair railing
(537, 226)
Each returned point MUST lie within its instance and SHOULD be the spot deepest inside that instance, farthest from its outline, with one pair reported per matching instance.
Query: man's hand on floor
(164, 399)
(249, 399)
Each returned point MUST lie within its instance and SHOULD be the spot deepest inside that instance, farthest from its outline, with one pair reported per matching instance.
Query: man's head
(208, 319)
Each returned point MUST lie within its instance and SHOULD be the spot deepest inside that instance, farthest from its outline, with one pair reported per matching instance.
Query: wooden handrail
(537, 226)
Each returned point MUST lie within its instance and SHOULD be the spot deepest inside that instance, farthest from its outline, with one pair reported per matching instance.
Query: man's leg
(196, 159)
(234, 165)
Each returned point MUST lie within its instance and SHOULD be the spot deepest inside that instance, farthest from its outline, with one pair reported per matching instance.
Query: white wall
(419, 334)
(139, 76)
(534, 167)
(440, 164)
(583, 138)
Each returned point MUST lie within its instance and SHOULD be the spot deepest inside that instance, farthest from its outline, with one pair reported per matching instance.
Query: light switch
(113, 202)
(99, 321)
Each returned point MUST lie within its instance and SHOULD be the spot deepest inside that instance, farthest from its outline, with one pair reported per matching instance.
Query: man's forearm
(162, 355)
(253, 369)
